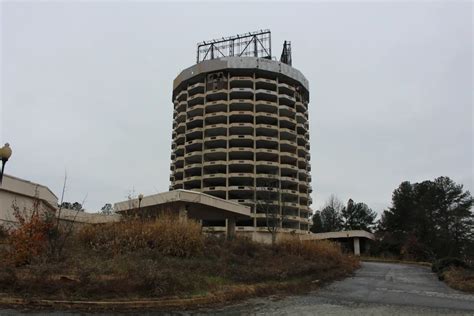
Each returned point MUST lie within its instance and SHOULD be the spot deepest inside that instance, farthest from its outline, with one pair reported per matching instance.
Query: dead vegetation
(459, 278)
(161, 258)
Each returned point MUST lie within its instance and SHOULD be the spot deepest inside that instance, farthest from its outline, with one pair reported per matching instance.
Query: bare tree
(269, 201)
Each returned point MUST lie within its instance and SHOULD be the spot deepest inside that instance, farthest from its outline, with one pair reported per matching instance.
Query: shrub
(166, 235)
(29, 239)
(444, 263)
(459, 278)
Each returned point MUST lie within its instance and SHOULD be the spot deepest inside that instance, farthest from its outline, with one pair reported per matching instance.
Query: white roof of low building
(341, 234)
(185, 196)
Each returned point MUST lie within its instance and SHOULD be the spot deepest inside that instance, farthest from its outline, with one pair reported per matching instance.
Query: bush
(459, 278)
(444, 263)
(166, 235)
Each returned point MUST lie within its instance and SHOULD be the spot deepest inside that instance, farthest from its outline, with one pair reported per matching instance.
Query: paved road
(375, 289)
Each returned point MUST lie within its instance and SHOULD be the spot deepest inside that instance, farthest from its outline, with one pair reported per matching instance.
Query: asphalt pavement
(375, 289)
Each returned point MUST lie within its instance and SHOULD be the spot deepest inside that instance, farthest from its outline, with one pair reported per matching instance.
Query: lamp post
(5, 154)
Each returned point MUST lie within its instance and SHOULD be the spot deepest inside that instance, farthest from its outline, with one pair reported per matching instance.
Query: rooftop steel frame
(253, 44)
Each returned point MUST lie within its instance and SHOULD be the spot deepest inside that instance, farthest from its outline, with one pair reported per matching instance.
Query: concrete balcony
(265, 84)
(288, 167)
(242, 163)
(198, 87)
(214, 176)
(193, 145)
(217, 95)
(195, 131)
(266, 154)
(247, 80)
(180, 128)
(288, 146)
(187, 180)
(241, 117)
(193, 122)
(287, 100)
(241, 141)
(287, 111)
(266, 95)
(215, 142)
(286, 122)
(182, 95)
(243, 189)
(300, 118)
(285, 88)
(180, 117)
(216, 118)
(266, 118)
(244, 201)
(192, 169)
(241, 129)
(241, 93)
(178, 162)
(216, 106)
(302, 152)
(266, 106)
(300, 107)
(215, 130)
(180, 106)
(241, 105)
(179, 150)
(288, 158)
(193, 157)
(266, 142)
(301, 129)
(196, 99)
(196, 110)
(214, 166)
(215, 154)
(267, 130)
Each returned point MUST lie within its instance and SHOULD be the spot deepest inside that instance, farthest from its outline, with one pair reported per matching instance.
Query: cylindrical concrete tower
(241, 133)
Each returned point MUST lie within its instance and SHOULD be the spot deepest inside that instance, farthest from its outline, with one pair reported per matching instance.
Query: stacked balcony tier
(243, 135)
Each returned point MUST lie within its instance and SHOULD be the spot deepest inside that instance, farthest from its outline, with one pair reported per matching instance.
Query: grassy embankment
(164, 259)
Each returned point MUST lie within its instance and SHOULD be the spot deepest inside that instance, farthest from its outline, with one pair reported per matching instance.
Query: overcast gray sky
(86, 87)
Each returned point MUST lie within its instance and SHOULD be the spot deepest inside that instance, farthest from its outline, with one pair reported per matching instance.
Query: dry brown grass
(165, 234)
(460, 278)
(167, 257)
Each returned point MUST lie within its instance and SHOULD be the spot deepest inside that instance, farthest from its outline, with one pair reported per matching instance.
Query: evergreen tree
(317, 223)
(434, 216)
(331, 219)
(358, 216)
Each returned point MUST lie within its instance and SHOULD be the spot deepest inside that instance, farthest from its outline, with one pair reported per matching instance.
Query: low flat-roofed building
(355, 240)
(186, 204)
(16, 192)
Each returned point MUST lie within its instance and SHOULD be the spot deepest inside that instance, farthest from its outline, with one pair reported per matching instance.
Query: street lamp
(5, 154)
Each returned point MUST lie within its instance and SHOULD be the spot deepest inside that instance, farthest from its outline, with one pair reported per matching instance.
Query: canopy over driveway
(346, 236)
(186, 204)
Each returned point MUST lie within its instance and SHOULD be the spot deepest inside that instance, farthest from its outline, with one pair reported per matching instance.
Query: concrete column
(230, 228)
(356, 246)
(182, 213)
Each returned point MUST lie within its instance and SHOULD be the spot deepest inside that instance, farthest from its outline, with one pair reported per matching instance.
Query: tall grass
(166, 235)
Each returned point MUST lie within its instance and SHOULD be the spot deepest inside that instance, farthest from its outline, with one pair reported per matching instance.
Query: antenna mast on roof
(286, 53)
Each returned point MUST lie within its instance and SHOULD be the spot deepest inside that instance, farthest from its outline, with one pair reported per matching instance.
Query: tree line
(426, 220)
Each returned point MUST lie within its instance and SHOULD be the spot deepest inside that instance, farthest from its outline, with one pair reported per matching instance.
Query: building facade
(241, 133)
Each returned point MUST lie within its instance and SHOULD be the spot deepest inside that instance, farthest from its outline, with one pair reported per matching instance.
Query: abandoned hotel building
(240, 149)
(241, 131)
